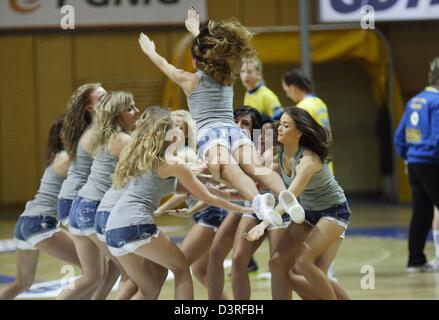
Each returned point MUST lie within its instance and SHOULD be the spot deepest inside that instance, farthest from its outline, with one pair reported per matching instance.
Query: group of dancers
(109, 167)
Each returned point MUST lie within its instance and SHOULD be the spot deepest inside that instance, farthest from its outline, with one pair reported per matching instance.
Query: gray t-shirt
(45, 200)
(99, 180)
(211, 104)
(77, 175)
(321, 192)
(140, 200)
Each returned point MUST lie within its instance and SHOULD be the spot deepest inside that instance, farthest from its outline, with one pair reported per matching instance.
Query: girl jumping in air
(218, 50)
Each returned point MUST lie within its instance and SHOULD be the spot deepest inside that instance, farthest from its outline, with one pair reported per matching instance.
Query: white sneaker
(263, 205)
(427, 267)
(291, 206)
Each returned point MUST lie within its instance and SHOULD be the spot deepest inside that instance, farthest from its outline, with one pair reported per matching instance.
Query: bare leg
(302, 286)
(93, 270)
(112, 270)
(321, 237)
(221, 246)
(142, 274)
(283, 259)
(243, 250)
(197, 242)
(26, 261)
(164, 252)
(248, 161)
(231, 172)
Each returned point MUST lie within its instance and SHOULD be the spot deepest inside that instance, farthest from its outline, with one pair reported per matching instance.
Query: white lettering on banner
(90, 13)
(385, 10)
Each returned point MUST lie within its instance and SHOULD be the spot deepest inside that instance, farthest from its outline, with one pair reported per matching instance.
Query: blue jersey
(417, 136)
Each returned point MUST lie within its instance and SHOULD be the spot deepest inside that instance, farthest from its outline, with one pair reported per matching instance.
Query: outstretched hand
(192, 21)
(146, 44)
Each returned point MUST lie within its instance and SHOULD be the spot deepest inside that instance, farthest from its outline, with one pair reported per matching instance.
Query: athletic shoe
(427, 267)
(263, 205)
(291, 206)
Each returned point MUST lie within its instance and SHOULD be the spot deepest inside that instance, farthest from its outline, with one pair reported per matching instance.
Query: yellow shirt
(262, 99)
(319, 111)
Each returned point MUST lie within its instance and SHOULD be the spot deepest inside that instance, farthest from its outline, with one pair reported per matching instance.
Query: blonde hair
(77, 118)
(220, 48)
(107, 118)
(147, 147)
(191, 127)
(255, 62)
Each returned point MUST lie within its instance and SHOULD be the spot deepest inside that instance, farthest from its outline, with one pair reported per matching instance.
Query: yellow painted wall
(39, 71)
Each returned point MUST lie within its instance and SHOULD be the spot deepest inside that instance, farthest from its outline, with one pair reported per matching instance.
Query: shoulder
(310, 161)
(61, 163)
(172, 166)
(86, 140)
(118, 142)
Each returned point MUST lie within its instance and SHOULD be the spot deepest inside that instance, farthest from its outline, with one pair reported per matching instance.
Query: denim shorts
(82, 216)
(286, 220)
(211, 217)
(63, 209)
(31, 230)
(339, 213)
(126, 240)
(101, 219)
(230, 137)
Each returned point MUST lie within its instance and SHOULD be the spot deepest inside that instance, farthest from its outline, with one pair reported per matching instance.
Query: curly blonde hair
(77, 118)
(220, 48)
(107, 117)
(191, 127)
(147, 147)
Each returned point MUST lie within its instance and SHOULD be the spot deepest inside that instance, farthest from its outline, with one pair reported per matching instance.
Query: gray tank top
(77, 175)
(110, 199)
(140, 200)
(45, 200)
(321, 192)
(211, 104)
(99, 180)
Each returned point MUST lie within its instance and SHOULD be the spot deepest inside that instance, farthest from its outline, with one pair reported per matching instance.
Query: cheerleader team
(108, 167)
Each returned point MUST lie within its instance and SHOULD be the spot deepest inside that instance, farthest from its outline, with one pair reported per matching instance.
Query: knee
(276, 265)
(180, 269)
(239, 261)
(199, 271)
(303, 262)
(216, 255)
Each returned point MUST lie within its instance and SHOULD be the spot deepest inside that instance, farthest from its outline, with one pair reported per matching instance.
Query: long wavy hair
(220, 48)
(191, 127)
(77, 118)
(107, 118)
(54, 141)
(147, 147)
(314, 136)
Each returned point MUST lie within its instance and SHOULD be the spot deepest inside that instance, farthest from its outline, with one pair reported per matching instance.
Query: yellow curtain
(363, 46)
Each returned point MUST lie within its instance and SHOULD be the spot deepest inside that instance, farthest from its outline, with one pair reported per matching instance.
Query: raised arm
(186, 80)
(192, 22)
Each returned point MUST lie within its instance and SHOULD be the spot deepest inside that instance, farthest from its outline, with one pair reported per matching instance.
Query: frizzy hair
(77, 118)
(220, 48)
(107, 117)
(54, 141)
(314, 136)
(147, 147)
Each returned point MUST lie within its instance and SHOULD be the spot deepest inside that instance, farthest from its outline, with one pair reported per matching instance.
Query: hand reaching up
(192, 21)
(146, 44)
